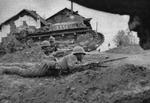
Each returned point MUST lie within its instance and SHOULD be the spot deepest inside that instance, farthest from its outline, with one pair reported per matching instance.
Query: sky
(108, 24)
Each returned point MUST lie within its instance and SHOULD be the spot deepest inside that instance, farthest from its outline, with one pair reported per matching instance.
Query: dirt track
(118, 83)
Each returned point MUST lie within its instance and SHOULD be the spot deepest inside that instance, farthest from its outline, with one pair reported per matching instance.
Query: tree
(123, 38)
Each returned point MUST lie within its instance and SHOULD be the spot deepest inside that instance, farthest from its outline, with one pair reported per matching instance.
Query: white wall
(4, 31)
(29, 20)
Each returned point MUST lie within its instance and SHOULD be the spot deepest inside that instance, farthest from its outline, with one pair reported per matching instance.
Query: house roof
(65, 9)
(21, 13)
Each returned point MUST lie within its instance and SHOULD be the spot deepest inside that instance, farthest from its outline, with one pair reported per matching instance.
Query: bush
(2, 49)
(21, 36)
(11, 44)
(124, 38)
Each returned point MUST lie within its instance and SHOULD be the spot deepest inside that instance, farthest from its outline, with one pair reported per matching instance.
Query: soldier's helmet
(51, 39)
(78, 50)
(45, 43)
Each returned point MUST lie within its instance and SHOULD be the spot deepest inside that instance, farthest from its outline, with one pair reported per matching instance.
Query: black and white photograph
(74, 51)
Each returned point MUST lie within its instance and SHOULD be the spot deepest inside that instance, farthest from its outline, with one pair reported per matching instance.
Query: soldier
(73, 60)
(53, 47)
(67, 63)
(45, 46)
(49, 46)
(51, 39)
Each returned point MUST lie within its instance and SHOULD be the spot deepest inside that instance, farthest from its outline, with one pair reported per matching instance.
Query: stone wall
(8, 28)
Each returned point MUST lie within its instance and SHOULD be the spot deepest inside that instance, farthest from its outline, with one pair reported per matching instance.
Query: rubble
(33, 54)
(125, 84)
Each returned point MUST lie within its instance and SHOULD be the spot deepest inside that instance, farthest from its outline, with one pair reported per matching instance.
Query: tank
(70, 34)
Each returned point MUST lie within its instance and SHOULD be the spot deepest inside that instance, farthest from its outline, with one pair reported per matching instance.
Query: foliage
(21, 36)
(124, 38)
(2, 49)
(11, 44)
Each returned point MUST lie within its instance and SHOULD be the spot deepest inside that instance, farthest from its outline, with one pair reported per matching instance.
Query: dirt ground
(124, 81)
